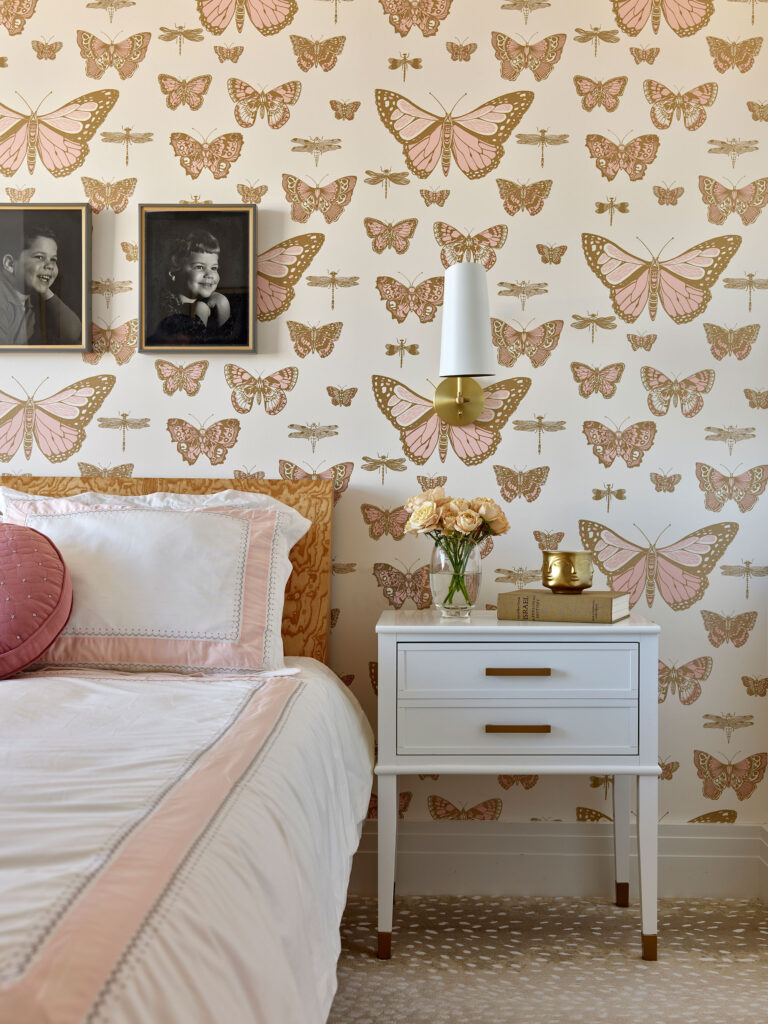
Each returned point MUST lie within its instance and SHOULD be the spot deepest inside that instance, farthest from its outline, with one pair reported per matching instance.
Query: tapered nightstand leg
(621, 792)
(647, 843)
(387, 842)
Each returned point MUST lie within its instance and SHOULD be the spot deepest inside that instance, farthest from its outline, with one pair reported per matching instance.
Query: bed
(176, 845)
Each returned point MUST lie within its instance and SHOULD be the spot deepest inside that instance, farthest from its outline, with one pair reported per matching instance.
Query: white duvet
(176, 850)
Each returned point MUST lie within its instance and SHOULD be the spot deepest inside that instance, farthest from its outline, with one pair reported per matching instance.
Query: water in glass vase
(454, 576)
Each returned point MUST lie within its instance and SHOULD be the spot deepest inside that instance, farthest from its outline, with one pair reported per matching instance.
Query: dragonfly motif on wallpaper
(317, 146)
(313, 432)
(540, 425)
(593, 321)
(746, 571)
(383, 463)
(611, 206)
(543, 139)
(523, 290)
(123, 422)
(332, 280)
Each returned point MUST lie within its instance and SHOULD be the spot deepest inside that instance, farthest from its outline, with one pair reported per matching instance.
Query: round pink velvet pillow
(35, 597)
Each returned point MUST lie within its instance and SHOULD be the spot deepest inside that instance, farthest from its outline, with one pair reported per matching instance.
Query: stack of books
(536, 605)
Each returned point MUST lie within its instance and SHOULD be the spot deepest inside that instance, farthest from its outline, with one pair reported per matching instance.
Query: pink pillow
(35, 597)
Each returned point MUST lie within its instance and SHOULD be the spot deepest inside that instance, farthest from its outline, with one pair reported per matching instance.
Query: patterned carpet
(480, 960)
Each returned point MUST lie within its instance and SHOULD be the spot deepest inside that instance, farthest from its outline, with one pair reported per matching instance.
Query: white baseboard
(559, 859)
(763, 872)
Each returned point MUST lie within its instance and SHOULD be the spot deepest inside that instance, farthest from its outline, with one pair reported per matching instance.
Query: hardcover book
(542, 605)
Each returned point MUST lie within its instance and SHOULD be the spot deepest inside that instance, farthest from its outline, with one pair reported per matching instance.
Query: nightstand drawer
(427, 728)
(547, 670)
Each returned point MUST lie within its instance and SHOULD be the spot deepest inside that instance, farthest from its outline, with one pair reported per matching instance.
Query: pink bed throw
(74, 955)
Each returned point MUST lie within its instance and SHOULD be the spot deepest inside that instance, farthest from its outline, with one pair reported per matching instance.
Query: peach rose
(434, 494)
(500, 524)
(490, 512)
(455, 506)
(468, 521)
(425, 516)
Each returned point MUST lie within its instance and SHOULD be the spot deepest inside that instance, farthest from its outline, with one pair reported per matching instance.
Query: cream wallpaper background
(728, 719)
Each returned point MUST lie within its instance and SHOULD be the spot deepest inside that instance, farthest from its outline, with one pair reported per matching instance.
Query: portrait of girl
(195, 279)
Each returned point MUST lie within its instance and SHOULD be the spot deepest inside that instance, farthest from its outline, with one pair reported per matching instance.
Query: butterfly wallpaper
(605, 161)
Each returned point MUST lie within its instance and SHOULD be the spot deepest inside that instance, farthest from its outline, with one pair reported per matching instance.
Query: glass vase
(454, 576)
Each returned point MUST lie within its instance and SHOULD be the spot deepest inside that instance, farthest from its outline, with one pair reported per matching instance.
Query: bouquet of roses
(456, 525)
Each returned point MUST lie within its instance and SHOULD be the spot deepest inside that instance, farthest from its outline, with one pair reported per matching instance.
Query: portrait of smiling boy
(41, 277)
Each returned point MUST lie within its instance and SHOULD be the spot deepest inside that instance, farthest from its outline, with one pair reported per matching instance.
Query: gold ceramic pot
(566, 572)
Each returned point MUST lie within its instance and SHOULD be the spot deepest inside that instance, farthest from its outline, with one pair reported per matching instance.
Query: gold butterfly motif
(103, 195)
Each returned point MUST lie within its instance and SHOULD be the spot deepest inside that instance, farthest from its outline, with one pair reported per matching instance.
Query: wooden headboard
(306, 614)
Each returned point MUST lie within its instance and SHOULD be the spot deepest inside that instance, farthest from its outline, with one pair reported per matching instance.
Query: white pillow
(167, 581)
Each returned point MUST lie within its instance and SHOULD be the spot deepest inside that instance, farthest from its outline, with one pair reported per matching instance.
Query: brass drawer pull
(518, 671)
(518, 728)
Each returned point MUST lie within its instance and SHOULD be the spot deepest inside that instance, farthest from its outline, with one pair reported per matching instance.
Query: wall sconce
(465, 346)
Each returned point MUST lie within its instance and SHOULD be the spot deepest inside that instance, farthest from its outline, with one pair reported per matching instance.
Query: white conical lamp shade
(465, 343)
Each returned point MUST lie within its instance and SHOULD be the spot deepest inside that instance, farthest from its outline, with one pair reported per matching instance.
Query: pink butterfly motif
(641, 341)
(178, 91)
(339, 474)
(686, 679)
(630, 444)
(217, 156)
(632, 157)
(684, 17)
(278, 269)
(744, 489)
(181, 378)
(422, 430)
(474, 140)
(600, 94)
(268, 16)
(426, 15)
(742, 776)
(272, 388)
(747, 201)
(443, 810)
(14, 15)
(214, 441)
(538, 343)
(395, 236)
(539, 57)
(526, 781)
(60, 138)
(120, 341)
(382, 521)
(398, 587)
(124, 56)
(728, 629)
(680, 570)
(403, 801)
(457, 247)
(56, 423)
(736, 341)
(663, 390)
(593, 379)
(681, 284)
(422, 299)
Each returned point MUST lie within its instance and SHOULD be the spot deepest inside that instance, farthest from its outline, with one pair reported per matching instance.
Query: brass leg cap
(384, 951)
(622, 894)
(650, 947)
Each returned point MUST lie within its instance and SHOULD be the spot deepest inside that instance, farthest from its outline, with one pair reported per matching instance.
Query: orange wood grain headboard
(306, 614)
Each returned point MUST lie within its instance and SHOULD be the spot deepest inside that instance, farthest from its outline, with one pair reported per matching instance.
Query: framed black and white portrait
(198, 278)
(45, 276)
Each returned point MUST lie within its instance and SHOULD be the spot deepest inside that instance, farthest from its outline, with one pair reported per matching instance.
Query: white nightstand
(484, 697)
